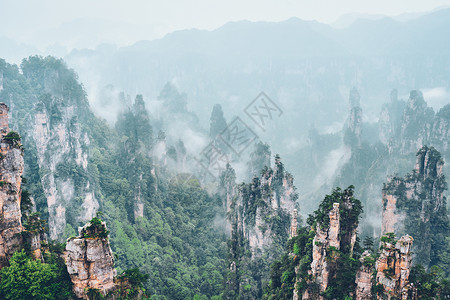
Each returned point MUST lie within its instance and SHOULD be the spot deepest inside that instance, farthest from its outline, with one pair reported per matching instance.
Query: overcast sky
(27, 19)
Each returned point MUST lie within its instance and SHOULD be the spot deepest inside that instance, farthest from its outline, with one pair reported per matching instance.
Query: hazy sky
(22, 19)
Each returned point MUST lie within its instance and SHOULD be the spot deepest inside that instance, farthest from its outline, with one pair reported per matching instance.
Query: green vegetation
(96, 229)
(342, 284)
(430, 285)
(165, 224)
(26, 279)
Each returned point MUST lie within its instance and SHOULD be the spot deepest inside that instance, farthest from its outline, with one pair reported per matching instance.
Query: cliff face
(89, 260)
(354, 123)
(261, 215)
(390, 119)
(364, 278)
(323, 250)
(416, 205)
(406, 127)
(11, 169)
(51, 111)
(259, 203)
(324, 258)
(393, 268)
(62, 149)
(327, 242)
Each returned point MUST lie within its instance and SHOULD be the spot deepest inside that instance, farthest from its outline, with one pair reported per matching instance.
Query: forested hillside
(125, 209)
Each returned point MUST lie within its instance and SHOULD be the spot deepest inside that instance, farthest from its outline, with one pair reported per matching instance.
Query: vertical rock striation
(364, 278)
(62, 147)
(11, 169)
(259, 203)
(393, 267)
(325, 242)
(353, 133)
(416, 205)
(52, 113)
(90, 261)
(262, 216)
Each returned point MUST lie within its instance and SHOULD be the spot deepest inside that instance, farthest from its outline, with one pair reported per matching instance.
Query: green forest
(170, 231)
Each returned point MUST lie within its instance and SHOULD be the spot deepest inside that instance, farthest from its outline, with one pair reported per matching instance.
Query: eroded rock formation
(51, 112)
(11, 169)
(416, 205)
(62, 146)
(364, 277)
(261, 215)
(407, 126)
(393, 267)
(354, 123)
(324, 256)
(257, 204)
(90, 261)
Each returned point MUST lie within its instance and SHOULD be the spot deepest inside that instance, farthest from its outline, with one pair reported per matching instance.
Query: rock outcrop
(90, 261)
(390, 119)
(393, 268)
(62, 146)
(328, 241)
(51, 111)
(416, 205)
(262, 215)
(334, 226)
(406, 126)
(416, 124)
(324, 256)
(259, 202)
(364, 277)
(11, 169)
(354, 123)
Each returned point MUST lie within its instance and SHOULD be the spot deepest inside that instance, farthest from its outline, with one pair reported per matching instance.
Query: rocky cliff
(393, 267)
(90, 261)
(261, 215)
(334, 227)
(259, 204)
(11, 169)
(390, 119)
(329, 241)
(326, 241)
(51, 111)
(415, 204)
(62, 150)
(354, 122)
(406, 126)
(364, 277)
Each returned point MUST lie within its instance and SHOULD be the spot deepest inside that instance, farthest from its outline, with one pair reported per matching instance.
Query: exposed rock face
(52, 113)
(406, 127)
(228, 191)
(392, 218)
(416, 204)
(272, 195)
(364, 278)
(334, 226)
(416, 125)
(390, 119)
(262, 212)
(324, 261)
(354, 122)
(61, 145)
(440, 135)
(326, 241)
(11, 169)
(393, 268)
(294, 223)
(89, 260)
